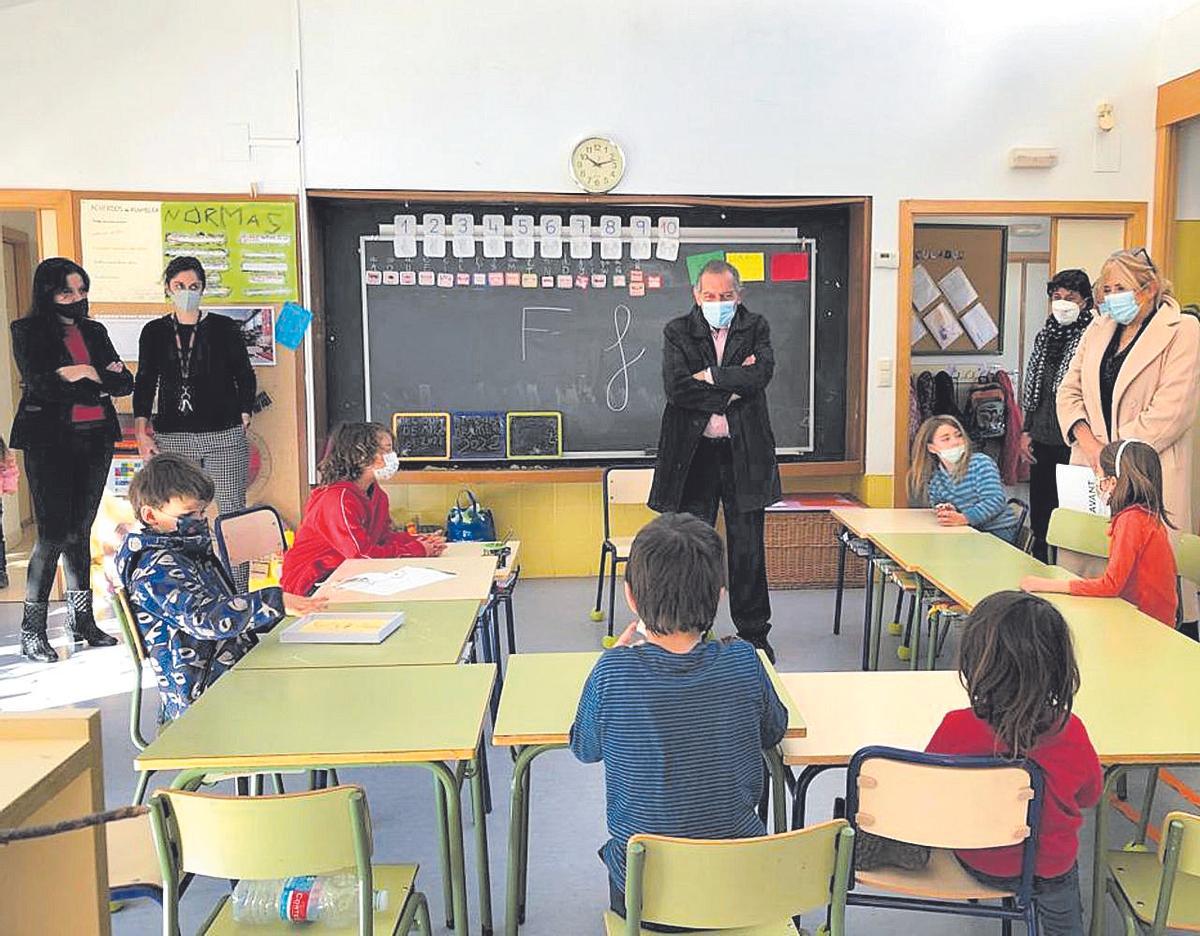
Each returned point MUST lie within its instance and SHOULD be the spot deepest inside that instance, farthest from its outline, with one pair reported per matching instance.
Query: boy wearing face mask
(964, 487)
(194, 623)
(348, 516)
(1042, 445)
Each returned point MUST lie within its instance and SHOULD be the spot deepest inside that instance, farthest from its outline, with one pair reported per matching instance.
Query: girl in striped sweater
(962, 486)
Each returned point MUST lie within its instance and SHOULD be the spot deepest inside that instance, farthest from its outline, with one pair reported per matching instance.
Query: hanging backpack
(985, 411)
(471, 523)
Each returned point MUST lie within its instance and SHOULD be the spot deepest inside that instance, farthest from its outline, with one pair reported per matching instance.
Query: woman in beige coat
(1136, 375)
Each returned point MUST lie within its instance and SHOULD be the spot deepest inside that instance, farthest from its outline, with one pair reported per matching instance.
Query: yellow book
(348, 627)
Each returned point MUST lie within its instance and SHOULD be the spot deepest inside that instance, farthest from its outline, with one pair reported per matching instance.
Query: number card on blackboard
(534, 435)
(422, 436)
(477, 435)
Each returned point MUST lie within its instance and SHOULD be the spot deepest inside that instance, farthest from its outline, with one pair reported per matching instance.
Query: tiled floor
(567, 886)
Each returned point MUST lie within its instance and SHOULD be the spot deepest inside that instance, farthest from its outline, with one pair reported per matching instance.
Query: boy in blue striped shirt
(679, 722)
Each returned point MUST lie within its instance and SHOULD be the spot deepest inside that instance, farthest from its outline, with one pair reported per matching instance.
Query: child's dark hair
(49, 279)
(1138, 471)
(676, 571)
(1017, 663)
(350, 451)
(182, 265)
(165, 476)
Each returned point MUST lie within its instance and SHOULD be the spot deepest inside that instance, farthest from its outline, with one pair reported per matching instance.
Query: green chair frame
(1136, 880)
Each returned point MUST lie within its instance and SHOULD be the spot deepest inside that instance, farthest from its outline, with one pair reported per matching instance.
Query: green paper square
(695, 263)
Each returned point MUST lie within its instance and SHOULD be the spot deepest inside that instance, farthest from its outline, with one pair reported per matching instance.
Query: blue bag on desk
(472, 523)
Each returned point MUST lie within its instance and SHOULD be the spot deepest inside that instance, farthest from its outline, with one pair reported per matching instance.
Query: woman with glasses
(1136, 375)
(196, 365)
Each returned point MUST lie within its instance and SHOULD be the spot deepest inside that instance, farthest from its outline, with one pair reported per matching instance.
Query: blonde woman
(962, 486)
(1136, 375)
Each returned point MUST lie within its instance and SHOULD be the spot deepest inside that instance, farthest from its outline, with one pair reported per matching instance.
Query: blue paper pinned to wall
(293, 322)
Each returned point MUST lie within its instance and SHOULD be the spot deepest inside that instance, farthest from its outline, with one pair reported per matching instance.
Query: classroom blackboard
(591, 352)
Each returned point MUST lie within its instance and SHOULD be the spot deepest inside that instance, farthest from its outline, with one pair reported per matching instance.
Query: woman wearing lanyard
(66, 425)
(197, 365)
(1136, 375)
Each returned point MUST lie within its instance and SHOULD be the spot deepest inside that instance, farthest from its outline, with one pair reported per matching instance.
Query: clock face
(597, 164)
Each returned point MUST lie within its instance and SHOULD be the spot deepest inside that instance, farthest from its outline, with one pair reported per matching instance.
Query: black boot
(81, 622)
(34, 645)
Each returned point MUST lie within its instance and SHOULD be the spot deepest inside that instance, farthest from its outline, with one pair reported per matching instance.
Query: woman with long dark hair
(66, 425)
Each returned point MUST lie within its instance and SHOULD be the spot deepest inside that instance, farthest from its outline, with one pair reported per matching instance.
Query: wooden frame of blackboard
(859, 210)
(443, 417)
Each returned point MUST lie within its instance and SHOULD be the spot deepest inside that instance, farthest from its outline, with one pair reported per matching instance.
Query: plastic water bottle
(331, 901)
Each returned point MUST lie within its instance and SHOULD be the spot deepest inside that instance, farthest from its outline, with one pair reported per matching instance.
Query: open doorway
(948, 323)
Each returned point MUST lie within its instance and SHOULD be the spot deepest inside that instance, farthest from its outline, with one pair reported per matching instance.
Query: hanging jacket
(925, 394)
(914, 408)
(193, 623)
(1012, 469)
(945, 399)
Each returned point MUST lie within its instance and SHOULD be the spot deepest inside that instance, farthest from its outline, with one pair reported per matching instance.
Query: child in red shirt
(1018, 666)
(348, 516)
(1141, 561)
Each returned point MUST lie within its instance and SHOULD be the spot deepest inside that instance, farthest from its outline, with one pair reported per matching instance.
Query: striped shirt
(979, 496)
(681, 736)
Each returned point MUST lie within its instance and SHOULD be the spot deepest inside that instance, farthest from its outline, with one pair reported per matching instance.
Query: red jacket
(1072, 783)
(342, 522)
(1141, 566)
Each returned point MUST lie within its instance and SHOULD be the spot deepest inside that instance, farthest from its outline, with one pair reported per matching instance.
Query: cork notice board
(958, 289)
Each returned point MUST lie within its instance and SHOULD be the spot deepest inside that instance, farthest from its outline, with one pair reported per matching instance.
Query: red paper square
(789, 267)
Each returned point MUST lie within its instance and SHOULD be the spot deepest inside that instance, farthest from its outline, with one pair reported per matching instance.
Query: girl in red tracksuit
(1141, 561)
(347, 516)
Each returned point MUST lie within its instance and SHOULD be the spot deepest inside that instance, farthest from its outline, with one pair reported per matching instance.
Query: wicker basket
(802, 551)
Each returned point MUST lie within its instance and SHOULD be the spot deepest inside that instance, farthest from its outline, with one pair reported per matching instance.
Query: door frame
(38, 200)
(1178, 101)
(912, 212)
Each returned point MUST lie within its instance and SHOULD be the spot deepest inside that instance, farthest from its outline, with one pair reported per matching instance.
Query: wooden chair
(1079, 532)
(1156, 892)
(274, 837)
(1024, 536)
(248, 535)
(1187, 563)
(622, 485)
(747, 887)
(945, 803)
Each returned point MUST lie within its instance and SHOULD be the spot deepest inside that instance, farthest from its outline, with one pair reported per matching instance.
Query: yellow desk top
(541, 694)
(40, 753)
(475, 550)
(328, 717)
(473, 578)
(867, 521)
(433, 632)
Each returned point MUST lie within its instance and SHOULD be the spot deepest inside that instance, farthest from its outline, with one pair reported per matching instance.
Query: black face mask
(73, 310)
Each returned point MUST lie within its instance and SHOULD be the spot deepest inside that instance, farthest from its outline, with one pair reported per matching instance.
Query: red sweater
(1072, 783)
(342, 522)
(77, 349)
(1141, 566)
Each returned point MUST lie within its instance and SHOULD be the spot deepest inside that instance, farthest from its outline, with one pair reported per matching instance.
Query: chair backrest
(137, 650)
(1189, 843)
(947, 802)
(1020, 510)
(625, 484)
(246, 535)
(1079, 532)
(1187, 556)
(730, 883)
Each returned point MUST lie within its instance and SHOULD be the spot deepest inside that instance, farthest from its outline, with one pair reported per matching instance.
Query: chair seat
(622, 544)
(614, 925)
(132, 861)
(1139, 874)
(397, 880)
(943, 878)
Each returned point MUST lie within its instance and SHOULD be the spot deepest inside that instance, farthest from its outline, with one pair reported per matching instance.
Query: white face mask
(1065, 311)
(391, 464)
(186, 300)
(953, 455)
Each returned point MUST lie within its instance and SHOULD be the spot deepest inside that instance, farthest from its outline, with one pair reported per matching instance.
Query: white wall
(1180, 43)
(864, 97)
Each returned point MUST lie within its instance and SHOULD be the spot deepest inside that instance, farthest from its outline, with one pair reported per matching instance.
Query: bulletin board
(958, 284)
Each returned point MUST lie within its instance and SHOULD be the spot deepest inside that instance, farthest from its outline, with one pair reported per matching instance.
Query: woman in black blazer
(67, 426)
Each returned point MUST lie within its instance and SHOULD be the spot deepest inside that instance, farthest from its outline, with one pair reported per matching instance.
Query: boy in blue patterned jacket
(194, 624)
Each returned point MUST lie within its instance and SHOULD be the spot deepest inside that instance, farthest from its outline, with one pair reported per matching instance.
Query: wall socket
(887, 259)
(885, 372)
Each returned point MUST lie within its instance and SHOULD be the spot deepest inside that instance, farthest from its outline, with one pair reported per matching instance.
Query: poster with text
(247, 249)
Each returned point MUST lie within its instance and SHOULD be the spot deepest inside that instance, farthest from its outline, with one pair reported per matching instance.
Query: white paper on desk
(979, 325)
(958, 289)
(943, 325)
(1079, 490)
(924, 291)
(393, 582)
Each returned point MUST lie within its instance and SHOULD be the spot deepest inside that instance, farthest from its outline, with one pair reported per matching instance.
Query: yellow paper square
(748, 265)
(345, 625)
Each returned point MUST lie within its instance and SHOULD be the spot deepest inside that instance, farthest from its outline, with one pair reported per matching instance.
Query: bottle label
(293, 900)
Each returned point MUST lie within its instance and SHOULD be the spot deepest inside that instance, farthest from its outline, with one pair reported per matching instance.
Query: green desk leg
(457, 883)
(1100, 849)
(914, 650)
(518, 835)
(1147, 805)
(439, 810)
(877, 618)
(775, 765)
(475, 774)
(935, 627)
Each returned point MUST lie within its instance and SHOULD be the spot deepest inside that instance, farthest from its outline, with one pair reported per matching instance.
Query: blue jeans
(1059, 907)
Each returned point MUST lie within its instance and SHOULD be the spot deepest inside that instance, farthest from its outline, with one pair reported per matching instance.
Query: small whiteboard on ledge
(1078, 489)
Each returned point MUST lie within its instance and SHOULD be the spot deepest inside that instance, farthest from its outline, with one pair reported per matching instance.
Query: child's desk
(473, 550)
(473, 579)
(537, 708)
(433, 632)
(265, 720)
